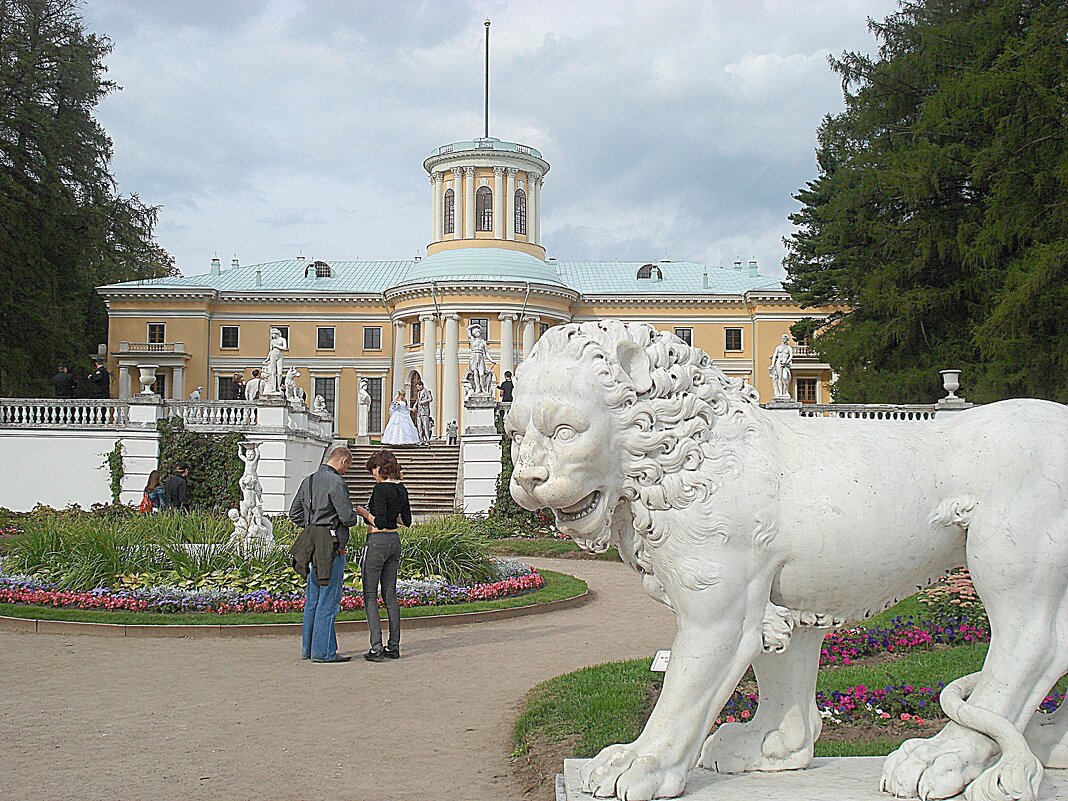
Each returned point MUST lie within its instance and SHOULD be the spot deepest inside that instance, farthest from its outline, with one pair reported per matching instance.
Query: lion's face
(564, 450)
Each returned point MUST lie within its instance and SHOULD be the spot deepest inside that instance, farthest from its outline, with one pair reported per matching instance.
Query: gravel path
(153, 720)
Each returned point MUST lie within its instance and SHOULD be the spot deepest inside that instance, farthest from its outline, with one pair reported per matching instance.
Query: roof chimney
(753, 269)
(216, 266)
(235, 264)
(706, 278)
(737, 265)
(259, 278)
(300, 256)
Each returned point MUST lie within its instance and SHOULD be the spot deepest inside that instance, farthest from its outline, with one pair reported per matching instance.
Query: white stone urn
(951, 382)
(147, 377)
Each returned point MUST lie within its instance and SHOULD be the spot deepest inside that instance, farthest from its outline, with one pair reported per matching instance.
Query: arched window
(322, 269)
(645, 272)
(484, 209)
(520, 211)
(450, 211)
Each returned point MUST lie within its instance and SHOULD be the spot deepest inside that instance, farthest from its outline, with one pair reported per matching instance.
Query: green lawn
(546, 547)
(558, 586)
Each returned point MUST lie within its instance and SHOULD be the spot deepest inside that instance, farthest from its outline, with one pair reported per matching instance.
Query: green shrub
(443, 546)
(214, 466)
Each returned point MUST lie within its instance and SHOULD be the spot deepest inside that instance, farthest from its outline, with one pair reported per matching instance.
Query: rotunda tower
(486, 193)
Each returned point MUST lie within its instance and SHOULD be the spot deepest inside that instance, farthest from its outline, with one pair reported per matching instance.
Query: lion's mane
(684, 436)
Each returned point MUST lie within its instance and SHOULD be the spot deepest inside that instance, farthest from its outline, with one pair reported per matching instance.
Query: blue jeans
(318, 638)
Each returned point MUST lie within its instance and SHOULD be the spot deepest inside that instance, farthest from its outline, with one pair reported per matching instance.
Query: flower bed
(845, 646)
(512, 579)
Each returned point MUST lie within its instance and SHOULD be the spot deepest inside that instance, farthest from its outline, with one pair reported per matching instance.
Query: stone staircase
(430, 475)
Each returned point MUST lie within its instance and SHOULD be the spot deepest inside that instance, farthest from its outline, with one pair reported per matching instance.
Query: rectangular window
(324, 337)
(157, 333)
(229, 336)
(225, 388)
(732, 339)
(374, 389)
(482, 323)
(372, 338)
(542, 328)
(806, 390)
(327, 387)
(160, 387)
(417, 333)
(685, 334)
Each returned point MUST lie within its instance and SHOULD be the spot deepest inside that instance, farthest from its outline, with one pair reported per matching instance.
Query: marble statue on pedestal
(294, 391)
(253, 531)
(479, 377)
(363, 412)
(272, 366)
(714, 502)
(781, 369)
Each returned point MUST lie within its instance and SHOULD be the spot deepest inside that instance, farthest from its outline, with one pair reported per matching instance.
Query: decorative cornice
(672, 300)
(185, 292)
(480, 287)
(287, 297)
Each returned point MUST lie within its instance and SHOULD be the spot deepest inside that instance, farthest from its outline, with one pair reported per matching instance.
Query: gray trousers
(381, 561)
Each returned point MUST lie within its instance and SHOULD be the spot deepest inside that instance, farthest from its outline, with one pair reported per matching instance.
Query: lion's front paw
(1007, 780)
(739, 748)
(625, 772)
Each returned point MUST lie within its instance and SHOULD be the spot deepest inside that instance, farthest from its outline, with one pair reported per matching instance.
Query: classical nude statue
(272, 367)
(253, 531)
(781, 369)
(363, 410)
(764, 530)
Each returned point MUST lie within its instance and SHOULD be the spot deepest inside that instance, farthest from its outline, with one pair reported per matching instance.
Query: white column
(430, 360)
(457, 204)
(124, 382)
(499, 204)
(532, 207)
(178, 383)
(450, 406)
(469, 202)
(507, 345)
(436, 192)
(398, 358)
(509, 203)
(528, 333)
(536, 187)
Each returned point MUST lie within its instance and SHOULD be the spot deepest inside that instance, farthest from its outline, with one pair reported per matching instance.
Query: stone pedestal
(480, 453)
(840, 779)
(782, 403)
(140, 446)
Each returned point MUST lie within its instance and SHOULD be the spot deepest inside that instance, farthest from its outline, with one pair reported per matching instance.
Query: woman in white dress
(400, 430)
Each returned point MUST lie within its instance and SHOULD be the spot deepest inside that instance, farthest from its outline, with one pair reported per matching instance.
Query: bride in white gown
(400, 430)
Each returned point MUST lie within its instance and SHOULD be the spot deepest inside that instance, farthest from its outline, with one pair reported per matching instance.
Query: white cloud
(675, 129)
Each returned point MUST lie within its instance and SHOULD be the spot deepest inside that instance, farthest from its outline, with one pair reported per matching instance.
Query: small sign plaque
(660, 661)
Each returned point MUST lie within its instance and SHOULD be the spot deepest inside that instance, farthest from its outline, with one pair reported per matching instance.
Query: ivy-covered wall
(214, 467)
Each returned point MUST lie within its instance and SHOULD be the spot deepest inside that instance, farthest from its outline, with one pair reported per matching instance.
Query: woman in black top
(381, 557)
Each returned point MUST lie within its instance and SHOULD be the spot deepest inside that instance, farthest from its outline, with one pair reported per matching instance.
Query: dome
(482, 264)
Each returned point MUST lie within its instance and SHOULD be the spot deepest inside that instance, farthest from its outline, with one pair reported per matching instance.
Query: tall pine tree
(940, 214)
(64, 229)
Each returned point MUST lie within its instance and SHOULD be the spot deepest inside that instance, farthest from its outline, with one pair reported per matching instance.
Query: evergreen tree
(939, 218)
(64, 229)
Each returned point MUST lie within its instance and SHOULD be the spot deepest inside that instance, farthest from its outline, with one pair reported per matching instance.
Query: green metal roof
(476, 265)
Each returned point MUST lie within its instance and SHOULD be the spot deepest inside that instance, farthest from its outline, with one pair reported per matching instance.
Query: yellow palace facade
(393, 323)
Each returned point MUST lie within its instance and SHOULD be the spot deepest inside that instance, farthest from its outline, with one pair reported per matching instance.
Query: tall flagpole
(487, 23)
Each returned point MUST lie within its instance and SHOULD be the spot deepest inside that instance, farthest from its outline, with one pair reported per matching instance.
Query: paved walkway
(228, 720)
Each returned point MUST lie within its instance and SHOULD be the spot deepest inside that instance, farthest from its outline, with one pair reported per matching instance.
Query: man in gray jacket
(323, 508)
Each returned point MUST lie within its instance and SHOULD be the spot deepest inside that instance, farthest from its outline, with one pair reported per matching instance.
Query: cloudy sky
(675, 129)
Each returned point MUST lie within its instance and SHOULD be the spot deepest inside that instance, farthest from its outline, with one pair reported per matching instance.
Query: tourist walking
(506, 387)
(99, 380)
(382, 556)
(154, 499)
(323, 508)
(237, 387)
(176, 490)
(64, 382)
(254, 387)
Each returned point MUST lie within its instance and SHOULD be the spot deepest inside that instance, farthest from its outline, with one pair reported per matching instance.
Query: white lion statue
(764, 530)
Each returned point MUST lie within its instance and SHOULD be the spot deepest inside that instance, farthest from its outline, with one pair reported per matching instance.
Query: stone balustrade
(62, 413)
(870, 411)
(214, 415)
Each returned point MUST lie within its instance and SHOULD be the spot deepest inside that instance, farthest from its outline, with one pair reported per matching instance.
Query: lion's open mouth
(584, 508)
